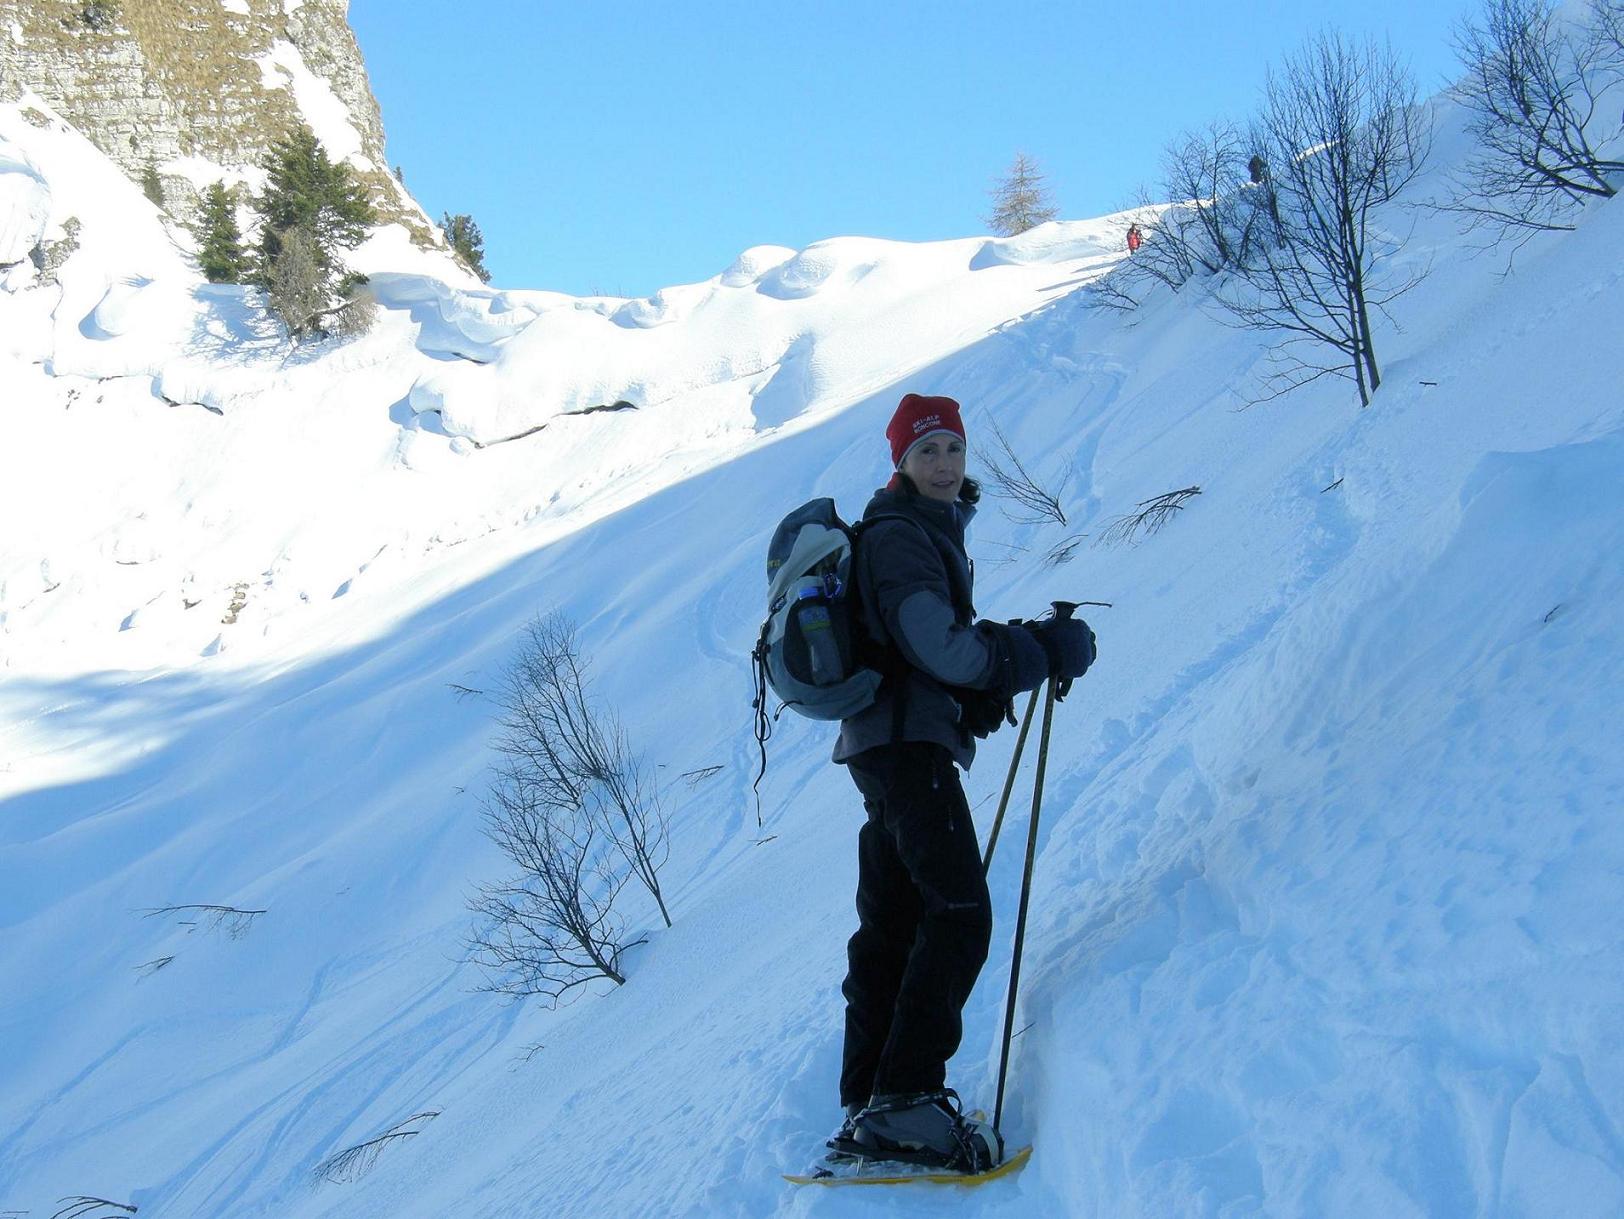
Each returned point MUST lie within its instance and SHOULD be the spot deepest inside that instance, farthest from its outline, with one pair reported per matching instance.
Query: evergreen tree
(1020, 201)
(220, 240)
(152, 186)
(311, 209)
(467, 243)
(307, 190)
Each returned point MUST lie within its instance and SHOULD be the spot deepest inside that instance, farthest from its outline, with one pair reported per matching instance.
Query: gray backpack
(813, 652)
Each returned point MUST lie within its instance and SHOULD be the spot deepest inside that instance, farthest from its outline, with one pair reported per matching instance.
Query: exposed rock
(50, 256)
(200, 89)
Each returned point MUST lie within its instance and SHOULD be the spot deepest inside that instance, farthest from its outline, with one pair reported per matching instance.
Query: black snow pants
(924, 922)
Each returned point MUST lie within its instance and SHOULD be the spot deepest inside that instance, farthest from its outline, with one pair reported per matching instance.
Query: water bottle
(817, 629)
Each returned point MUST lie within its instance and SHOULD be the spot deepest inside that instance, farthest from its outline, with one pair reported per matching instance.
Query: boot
(842, 1140)
(927, 1128)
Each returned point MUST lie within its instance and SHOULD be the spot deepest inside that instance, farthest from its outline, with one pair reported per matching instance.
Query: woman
(924, 914)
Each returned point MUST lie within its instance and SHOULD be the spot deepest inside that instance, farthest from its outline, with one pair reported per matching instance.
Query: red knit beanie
(917, 417)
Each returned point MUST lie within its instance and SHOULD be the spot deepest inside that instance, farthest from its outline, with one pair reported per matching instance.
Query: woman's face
(936, 465)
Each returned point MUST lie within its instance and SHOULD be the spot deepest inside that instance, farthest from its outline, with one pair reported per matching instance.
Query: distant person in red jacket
(1134, 238)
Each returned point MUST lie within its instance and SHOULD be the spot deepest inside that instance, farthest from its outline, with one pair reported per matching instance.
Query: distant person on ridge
(924, 913)
(1135, 237)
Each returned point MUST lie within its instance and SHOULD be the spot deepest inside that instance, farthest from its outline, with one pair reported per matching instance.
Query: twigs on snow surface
(234, 922)
(1148, 517)
(1009, 479)
(81, 1206)
(353, 1163)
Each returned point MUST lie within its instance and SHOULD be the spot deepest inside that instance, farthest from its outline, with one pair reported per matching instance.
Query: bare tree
(1210, 224)
(356, 313)
(576, 811)
(553, 927)
(1020, 200)
(1608, 27)
(1534, 87)
(1009, 479)
(303, 293)
(297, 283)
(1341, 135)
(1211, 221)
(578, 751)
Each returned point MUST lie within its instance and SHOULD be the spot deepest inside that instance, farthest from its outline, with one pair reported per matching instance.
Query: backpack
(813, 652)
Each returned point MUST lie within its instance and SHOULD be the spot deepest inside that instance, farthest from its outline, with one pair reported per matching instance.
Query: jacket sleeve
(912, 598)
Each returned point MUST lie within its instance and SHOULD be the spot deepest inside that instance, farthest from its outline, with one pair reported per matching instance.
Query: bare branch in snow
(1010, 480)
(353, 1163)
(1148, 518)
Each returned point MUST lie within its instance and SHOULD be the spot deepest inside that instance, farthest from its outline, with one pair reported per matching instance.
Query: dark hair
(969, 491)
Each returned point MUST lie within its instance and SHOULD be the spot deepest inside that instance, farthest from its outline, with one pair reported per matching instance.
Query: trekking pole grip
(1063, 610)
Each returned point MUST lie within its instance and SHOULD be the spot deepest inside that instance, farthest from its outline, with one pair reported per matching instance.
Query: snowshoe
(859, 1171)
(925, 1128)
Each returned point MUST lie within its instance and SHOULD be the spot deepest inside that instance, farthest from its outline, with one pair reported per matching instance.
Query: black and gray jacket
(916, 585)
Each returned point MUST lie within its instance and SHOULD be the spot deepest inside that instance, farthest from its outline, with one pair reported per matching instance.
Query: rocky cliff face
(195, 91)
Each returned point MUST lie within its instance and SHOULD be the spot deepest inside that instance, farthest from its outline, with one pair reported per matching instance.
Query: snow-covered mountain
(1320, 922)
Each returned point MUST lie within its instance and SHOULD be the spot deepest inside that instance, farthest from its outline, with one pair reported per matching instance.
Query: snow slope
(1320, 924)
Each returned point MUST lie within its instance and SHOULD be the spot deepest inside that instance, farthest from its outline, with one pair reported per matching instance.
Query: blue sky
(620, 148)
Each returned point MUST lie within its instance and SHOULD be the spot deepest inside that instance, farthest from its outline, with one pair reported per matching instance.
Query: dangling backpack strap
(763, 722)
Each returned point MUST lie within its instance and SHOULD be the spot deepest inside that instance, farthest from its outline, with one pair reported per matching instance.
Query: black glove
(1070, 647)
(982, 713)
(1021, 663)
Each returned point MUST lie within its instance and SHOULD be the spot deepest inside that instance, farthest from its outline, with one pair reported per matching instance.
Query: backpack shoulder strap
(858, 530)
(887, 656)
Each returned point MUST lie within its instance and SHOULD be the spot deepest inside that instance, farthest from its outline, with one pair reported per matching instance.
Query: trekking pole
(1062, 610)
(1009, 783)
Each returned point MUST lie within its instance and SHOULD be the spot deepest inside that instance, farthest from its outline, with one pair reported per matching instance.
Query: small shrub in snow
(1008, 479)
(355, 1162)
(1147, 519)
(1020, 200)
